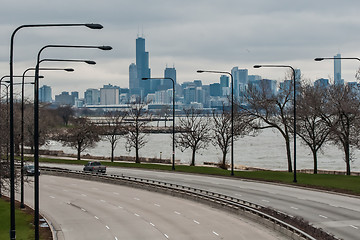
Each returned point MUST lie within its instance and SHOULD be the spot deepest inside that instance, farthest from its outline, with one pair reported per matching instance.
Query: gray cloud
(190, 34)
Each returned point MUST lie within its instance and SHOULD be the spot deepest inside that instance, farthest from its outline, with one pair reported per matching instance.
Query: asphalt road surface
(80, 209)
(335, 213)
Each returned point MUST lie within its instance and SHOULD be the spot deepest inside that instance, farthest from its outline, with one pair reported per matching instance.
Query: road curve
(80, 209)
(335, 213)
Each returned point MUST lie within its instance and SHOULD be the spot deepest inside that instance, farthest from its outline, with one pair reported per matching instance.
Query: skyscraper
(240, 81)
(337, 70)
(133, 80)
(142, 65)
(45, 94)
(169, 73)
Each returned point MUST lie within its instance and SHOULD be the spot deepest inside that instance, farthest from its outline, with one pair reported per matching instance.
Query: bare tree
(66, 113)
(114, 129)
(222, 130)
(194, 132)
(311, 128)
(271, 110)
(341, 112)
(81, 135)
(136, 137)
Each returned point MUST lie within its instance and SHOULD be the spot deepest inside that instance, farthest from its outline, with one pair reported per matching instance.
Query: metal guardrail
(221, 199)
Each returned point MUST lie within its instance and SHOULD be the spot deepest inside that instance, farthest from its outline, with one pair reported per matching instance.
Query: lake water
(267, 150)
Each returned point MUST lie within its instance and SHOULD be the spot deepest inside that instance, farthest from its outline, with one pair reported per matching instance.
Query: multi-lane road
(80, 209)
(337, 214)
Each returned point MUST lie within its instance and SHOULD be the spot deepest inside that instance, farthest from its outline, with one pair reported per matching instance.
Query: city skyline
(187, 34)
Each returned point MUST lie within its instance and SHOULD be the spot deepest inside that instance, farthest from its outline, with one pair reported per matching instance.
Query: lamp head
(94, 26)
(318, 59)
(257, 66)
(144, 78)
(41, 76)
(200, 71)
(90, 62)
(106, 48)
(69, 69)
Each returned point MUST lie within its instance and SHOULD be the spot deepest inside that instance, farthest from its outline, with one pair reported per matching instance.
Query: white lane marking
(96, 217)
(120, 207)
(152, 224)
(265, 201)
(166, 236)
(215, 233)
(102, 200)
(115, 193)
(196, 222)
(157, 205)
(107, 227)
(238, 194)
(52, 197)
(136, 214)
(354, 226)
(137, 199)
(84, 195)
(323, 216)
(295, 208)
(116, 238)
(84, 210)
(177, 213)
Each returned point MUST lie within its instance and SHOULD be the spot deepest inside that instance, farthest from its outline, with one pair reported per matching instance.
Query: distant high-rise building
(215, 90)
(45, 94)
(142, 65)
(169, 73)
(75, 94)
(224, 81)
(240, 81)
(337, 70)
(133, 79)
(65, 99)
(322, 83)
(92, 96)
(109, 95)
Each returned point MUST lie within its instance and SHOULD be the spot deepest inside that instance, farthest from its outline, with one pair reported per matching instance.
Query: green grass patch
(338, 183)
(24, 227)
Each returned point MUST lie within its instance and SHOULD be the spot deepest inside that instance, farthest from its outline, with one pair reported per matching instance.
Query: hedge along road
(80, 209)
(335, 213)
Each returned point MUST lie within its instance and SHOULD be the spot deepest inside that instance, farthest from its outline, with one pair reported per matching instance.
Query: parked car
(94, 167)
(29, 170)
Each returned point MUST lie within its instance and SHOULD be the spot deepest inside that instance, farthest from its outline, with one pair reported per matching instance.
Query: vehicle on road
(29, 170)
(94, 166)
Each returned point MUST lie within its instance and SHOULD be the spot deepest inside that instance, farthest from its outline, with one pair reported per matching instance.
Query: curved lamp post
(22, 205)
(294, 103)
(173, 128)
(11, 128)
(36, 126)
(232, 113)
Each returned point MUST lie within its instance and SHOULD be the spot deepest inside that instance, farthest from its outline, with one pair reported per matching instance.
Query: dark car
(94, 167)
(29, 170)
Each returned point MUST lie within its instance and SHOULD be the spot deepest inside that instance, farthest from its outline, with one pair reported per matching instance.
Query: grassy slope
(24, 228)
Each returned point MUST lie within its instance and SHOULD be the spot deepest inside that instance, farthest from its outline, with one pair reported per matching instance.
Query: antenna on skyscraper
(142, 31)
(138, 31)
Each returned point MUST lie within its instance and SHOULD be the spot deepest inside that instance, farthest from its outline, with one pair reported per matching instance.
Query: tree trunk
(347, 158)
(193, 158)
(314, 152)
(288, 153)
(78, 152)
(223, 165)
(112, 152)
(137, 160)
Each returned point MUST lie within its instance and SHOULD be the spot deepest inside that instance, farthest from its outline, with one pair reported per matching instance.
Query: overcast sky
(190, 34)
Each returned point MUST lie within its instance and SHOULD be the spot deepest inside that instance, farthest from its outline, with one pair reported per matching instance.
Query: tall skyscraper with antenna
(337, 70)
(142, 65)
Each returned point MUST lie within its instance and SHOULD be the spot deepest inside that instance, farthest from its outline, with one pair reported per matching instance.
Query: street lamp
(232, 113)
(333, 58)
(11, 127)
(22, 205)
(294, 103)
(36, 125)
(173, 128)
